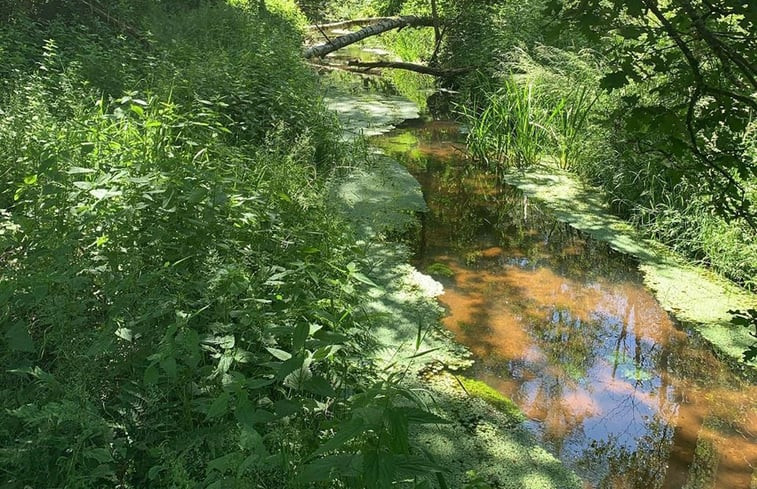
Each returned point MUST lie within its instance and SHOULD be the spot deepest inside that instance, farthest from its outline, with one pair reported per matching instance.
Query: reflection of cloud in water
(564, 326)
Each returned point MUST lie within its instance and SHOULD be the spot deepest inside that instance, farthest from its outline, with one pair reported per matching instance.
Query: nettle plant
(179, 305)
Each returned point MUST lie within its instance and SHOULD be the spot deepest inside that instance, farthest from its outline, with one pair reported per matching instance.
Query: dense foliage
(179, 305)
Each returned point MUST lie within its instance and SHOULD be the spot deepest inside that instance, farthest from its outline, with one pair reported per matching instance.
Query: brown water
(563, 325)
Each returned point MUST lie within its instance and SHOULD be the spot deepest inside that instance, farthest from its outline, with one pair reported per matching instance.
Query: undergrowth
(179, 305)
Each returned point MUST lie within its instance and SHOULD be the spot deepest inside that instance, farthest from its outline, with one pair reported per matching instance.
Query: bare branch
(418, 68)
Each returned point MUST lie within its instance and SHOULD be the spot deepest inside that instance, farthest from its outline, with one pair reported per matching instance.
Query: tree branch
(346, 24)
(417, 68)
(349, 69)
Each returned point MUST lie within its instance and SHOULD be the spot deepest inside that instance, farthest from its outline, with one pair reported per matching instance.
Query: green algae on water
(694, 295)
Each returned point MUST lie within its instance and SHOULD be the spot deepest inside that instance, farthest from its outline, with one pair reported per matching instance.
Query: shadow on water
(563, 325)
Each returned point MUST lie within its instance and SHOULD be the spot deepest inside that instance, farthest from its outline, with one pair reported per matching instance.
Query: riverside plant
(510, 126)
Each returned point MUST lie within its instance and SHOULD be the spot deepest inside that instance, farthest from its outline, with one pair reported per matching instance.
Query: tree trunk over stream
(346, 24)
(387, 24)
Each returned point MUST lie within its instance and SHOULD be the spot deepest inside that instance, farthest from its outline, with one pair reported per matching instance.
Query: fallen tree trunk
(424, 69)
(385, 25)
(346, 24)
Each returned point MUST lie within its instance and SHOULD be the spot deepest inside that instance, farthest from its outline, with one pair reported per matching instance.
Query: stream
(563, 325)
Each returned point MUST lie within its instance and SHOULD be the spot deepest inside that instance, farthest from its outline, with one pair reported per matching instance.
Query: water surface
(563, 325)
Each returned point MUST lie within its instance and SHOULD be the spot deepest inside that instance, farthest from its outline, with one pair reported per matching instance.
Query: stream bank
(694, 295)
(564, 325)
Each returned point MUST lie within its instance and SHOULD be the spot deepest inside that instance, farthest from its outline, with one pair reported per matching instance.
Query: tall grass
(571, 125)
(512, 126)
(540, 109)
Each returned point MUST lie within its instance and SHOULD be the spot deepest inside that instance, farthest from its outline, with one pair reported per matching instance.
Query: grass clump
(440, 270)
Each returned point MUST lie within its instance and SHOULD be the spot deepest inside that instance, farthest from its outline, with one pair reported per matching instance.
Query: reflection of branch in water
(642, 467)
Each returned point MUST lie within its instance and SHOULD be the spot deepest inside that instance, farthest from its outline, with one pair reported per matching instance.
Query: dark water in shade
(563, 325)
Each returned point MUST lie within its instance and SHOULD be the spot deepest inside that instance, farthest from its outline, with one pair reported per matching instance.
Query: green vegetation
(616, 93)
(180, 302)
(481, 390)
(611, 96)
(440, 270)
(203, 277)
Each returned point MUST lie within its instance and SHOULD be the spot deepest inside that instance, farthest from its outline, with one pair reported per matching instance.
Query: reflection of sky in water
(564, 326)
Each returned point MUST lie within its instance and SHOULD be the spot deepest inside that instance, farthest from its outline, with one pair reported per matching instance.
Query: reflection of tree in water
(470, 213)
(568, 341)
(643, 467)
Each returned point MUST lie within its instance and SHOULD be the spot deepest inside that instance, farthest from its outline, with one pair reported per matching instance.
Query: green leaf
(18, 338)
(418, 465)
(253, 384)
(426, 352)
(419, 416)
(285, 368)
(348, 431)
(250, 439)
(225, 362)
(280, 354)
(125, 334)
(320, 386)
(630, 31)
(151, 375)
(379, 470)
(101, 455)
(398, 430)
(285, 407)
(612, 81)
(103, 193)
(169, 366)
(152, 474)
(219, 407)
(245, 412)
(362, 278)
(301, 333)
(344, 465)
